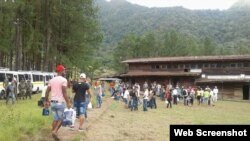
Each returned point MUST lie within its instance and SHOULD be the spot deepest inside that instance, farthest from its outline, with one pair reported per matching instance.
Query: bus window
(47, 78)
(40, 77)
(27, 76)
(20, 77)
(2, 77)
(35, 78)
(10, 76)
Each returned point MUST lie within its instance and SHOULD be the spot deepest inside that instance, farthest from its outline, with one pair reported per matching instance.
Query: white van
(36, 78)
(11, 75)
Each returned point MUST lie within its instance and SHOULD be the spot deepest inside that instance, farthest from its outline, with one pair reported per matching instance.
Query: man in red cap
(59, 98)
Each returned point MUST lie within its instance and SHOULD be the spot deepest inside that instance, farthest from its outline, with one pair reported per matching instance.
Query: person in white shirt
(215, 91)
(138, 88)
(125, 96)
(211, 97)
(174, 93)
(145, 100)
(158, 89)
(44, 91)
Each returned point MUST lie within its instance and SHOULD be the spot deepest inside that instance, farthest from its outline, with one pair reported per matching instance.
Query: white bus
(48, 76)
(11, 75)
(37, 78)
(4, 74)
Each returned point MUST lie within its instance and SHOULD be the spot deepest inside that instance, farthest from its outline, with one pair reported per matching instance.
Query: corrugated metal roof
(220, 80)
(160, 73)
(189, 58)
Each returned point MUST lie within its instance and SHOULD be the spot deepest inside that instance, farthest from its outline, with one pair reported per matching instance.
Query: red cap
(60, 68)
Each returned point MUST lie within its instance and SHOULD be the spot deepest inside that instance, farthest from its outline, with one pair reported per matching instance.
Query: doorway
(245, 92)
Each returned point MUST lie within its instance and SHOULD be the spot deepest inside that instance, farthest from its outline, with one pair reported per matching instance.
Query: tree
(208, 47)
(45, 33)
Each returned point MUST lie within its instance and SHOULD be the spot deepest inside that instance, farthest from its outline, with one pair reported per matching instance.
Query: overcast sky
(190, 4)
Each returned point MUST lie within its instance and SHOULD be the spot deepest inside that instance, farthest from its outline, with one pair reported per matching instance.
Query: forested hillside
(173, 31)
(37, 35)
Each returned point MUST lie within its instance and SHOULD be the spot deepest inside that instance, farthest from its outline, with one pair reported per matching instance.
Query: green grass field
(24, 120)
(120, 124)
(21, 120)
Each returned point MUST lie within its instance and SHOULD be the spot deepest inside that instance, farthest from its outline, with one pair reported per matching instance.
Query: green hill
(197, 32)
(227, 27)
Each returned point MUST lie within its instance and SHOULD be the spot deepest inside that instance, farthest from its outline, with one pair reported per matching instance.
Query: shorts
(80, 107)
(66, 123)
(57, 110)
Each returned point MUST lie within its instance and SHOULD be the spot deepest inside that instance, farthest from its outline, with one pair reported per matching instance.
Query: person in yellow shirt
(206, 95)
(198, 96)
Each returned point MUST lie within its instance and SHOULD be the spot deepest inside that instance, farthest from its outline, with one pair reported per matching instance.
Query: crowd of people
(65, 110)
(134, 95)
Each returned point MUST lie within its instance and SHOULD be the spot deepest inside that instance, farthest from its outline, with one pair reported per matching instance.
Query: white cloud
(190, 4)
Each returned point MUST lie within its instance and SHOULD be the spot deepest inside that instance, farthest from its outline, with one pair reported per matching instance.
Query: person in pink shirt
(57, 88)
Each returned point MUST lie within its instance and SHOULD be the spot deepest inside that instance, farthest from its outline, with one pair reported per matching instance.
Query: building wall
(206, 67)
(232, 91)
(181, 81)
(227, 91)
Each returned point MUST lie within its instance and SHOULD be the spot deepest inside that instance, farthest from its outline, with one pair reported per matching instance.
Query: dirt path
(66, 134)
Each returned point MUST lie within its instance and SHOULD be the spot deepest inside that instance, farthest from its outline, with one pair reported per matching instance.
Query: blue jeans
(98, 101)
(134, 103)
(57, 110)
(111, 91)
(162, 96)
(145, 104)
(12, 97)
(152, 103)
(125, 101)
(80, 108)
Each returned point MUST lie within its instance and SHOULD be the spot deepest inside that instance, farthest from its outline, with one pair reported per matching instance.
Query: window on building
(225, 65)
(240, 65)
(200, 66)
(152, 66)
(157, 66)
(219, 65)
(168, 66)
(187, 66)
(193, 66)
(246, 64)
(213, 65)
(232, 65)
(181, 66)
(175, 66)
(206, 65)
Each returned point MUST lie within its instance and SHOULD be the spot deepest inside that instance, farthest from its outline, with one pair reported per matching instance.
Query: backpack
(169, 96)
(184, 93)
